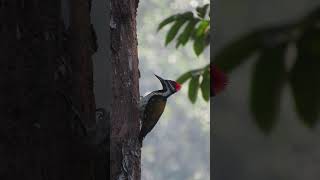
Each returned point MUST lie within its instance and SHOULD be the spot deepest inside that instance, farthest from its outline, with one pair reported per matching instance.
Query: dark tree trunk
(125, 148)
(46, 93)
(47, 109)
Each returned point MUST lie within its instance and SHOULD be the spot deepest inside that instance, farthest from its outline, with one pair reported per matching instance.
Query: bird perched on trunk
(152, 106)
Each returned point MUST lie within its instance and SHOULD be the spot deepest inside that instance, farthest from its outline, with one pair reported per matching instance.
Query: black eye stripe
(171, 86)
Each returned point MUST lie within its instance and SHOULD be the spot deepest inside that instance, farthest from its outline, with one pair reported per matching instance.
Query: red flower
(218, 80)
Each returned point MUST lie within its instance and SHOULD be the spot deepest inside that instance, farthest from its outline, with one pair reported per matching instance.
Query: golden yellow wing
(151, 115)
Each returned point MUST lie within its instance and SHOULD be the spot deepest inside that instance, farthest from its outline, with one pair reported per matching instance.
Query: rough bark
(46, 92)
(125, 148)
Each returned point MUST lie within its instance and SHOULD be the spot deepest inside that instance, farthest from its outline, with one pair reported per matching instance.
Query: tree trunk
(125, 148)
(46, 92)
(47, 110)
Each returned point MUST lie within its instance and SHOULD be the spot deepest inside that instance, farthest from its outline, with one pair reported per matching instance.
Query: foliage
(195, 84)
(197, 28)
(170, 147)
(270, 45)
(193, 27)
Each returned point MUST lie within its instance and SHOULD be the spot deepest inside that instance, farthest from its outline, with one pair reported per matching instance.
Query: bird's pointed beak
(161, 80)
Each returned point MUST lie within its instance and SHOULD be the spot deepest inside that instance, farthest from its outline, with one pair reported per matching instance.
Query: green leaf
(202, 11)
(312, 18)
(184, 77)
(267, 82)
(205, 85)
(167, 21)
(193, 88)
(199, 45)
(235, 53)
(176, 17)
(174, 30)
(185, 35)
(187, 16)
(305, 78)
(202, 28)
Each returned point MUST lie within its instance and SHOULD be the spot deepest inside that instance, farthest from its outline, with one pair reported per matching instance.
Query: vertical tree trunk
(46, 92)
(125, 148)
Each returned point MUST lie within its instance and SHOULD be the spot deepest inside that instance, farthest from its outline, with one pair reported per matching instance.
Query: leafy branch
(194, 27)
(270, 45)
(189, 27)
(199, 79)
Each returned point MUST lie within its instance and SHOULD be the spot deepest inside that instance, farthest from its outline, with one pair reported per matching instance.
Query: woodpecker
(152, 106)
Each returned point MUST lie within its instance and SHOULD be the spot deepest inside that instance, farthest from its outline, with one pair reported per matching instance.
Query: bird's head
(169, 87)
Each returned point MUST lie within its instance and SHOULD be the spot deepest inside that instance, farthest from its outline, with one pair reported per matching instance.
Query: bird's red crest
(218, 80)
(177, 86)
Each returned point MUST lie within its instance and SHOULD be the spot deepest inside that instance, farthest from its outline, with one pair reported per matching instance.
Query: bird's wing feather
(143, 102)
(152, 114)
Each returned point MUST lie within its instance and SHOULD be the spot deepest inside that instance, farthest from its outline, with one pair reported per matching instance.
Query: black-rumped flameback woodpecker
(152, 106)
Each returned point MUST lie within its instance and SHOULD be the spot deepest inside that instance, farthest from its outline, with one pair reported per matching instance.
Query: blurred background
(265, 125)
(178, 148)
(252, 138)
